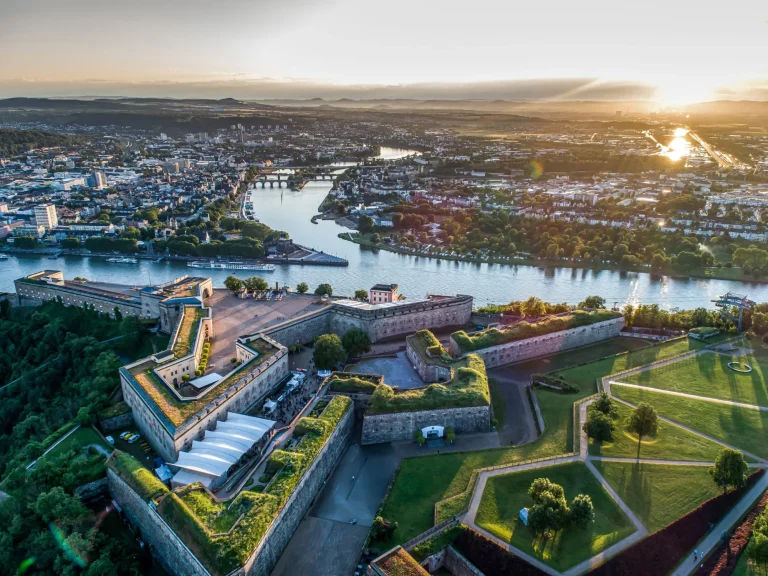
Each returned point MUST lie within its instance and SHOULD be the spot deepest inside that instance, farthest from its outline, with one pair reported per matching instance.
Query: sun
(674, 92)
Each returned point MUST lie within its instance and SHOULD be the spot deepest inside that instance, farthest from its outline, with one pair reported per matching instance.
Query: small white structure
(433, 431)
(269, 406)
(524, 516)
(206, 380)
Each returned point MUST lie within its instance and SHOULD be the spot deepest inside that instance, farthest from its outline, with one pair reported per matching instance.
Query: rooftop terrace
(175, 411)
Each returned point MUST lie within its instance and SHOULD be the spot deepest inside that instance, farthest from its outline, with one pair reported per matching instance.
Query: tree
(549, 510)
(70, 243)
(302, 287)
(366, 224)
(450, 435)
(328, 352)
(730, 469)
(233, 284)
(582, 512)
(592, 302)
(397, 219)
(376, 238)
(598, 426)
(605, 404)
(644, 422)
(256, 283)
(356, 341)
(361, 294)
(324, 289)
(420, 440)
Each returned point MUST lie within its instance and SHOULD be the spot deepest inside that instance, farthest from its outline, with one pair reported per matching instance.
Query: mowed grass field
(745, 428)
(423, 482)
(670, 443)
(659, 494)
(586, 375)
(708, 375)
(505, 495)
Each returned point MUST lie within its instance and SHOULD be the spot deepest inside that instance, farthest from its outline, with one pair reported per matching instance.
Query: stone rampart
(34, 292)
(117, 422)
(378, 428)
(547, 344)
(268, 552)
(430, 371)
(166, 547)
(378, 323)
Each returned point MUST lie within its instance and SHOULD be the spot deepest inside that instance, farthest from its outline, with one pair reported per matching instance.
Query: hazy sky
(687, 50)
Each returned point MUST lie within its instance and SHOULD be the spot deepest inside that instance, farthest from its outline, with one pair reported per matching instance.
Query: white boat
(232, 266)
(3, 256)
(122, 260)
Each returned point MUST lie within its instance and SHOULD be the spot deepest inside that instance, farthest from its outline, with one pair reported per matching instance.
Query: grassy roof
(428, 347)
(400, 563)
(178, 411)
(223, 535)
(468, 387)
(352, 382)
(143, 482)
(188, 330)
(523, 330)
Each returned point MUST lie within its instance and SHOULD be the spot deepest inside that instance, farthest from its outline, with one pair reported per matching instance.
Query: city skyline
(670, 53)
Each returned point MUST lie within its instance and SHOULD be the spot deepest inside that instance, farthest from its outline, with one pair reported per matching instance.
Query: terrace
(522, 330)
(186, 336)
(176, 409)
(429, 349)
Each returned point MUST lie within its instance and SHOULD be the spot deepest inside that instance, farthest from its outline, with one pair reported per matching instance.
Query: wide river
(283, 209)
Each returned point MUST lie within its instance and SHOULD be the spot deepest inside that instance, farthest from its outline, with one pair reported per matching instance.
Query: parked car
(124, 435)
(134, 438)
(110, 439)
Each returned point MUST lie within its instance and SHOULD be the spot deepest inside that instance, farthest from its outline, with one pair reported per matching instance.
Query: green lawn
(505, 495)
(708, 375)
(746, 568)
(659, 494)
(587, 374)
(497, 400)
(670, 443)
(83, 436)
(745, 428)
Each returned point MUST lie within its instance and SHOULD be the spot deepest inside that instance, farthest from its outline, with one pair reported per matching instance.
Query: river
(284, 209)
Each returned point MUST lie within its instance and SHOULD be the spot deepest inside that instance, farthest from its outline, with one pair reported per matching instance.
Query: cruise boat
(3, 256)
(122, 260)
(232, 266)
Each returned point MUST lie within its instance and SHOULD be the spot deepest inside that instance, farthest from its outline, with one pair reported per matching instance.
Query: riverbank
(310, 258)
(710, 273)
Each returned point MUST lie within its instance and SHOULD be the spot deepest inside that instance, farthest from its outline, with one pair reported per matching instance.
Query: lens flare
(536, 169)
(26, 565)
(69, 553)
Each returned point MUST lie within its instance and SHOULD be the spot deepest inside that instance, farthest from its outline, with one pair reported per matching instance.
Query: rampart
(546, 344)
(378, 321)
(178, 560)
(392, 427)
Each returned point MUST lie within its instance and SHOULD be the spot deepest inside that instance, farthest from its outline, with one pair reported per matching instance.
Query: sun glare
(675, 92)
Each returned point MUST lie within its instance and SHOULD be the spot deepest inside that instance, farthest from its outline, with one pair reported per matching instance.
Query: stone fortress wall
(380, 323)
(547, 344)
(378, 428)
(178, 560)
(35, 292)
(251, 387)
(428, 371)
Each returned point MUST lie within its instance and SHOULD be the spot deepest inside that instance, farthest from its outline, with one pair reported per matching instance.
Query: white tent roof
(206, 380)
(220, 449)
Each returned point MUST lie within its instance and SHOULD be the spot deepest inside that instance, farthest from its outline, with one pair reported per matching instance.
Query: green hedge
(523, 330)
(555, 381)
(468, 387)
(196, 518)
(428, 347)
(143, 482)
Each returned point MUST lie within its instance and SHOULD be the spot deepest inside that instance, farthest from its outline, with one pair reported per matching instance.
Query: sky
(671, 51)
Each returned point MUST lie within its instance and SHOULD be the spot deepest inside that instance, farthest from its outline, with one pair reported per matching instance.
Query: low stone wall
(117, 422)
(553, 343)
(457, 565)
(165, 546)
(265, 556)
(380, 428)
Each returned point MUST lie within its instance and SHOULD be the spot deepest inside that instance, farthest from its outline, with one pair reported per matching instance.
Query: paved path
(712, 540)
(693, 396)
